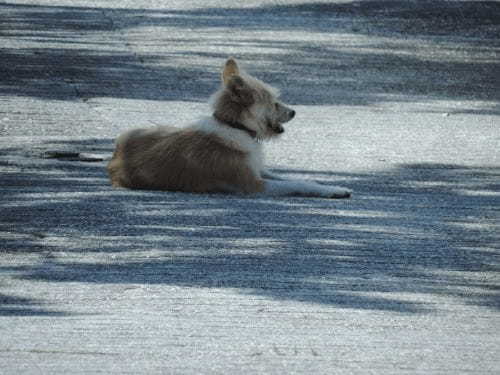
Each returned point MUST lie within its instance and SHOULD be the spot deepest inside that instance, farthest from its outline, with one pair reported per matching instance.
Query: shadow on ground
(427, 229)
(439, 49)
(20, 306)
(422, 229)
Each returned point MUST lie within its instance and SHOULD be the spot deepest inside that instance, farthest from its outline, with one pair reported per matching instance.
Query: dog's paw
(339, 193)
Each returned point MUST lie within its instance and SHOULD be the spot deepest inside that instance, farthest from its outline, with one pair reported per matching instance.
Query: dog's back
(175, 159)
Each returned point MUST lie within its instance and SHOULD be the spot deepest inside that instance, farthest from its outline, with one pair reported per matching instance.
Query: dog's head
(248, 101)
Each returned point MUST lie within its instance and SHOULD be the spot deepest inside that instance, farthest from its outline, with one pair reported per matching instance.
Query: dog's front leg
(265, 174)
(303, 189)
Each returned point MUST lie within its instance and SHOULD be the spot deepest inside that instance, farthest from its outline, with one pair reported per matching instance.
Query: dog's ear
(230, 69)
(240, 91)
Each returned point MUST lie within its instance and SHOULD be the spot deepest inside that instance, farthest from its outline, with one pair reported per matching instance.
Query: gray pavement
(397, 100)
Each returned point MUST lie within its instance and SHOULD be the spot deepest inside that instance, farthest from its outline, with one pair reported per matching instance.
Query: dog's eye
(276, 105)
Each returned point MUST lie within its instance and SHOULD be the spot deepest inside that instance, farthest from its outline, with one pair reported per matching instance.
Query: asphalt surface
(397, 100)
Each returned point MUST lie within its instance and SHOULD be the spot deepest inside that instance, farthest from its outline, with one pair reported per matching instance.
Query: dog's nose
(292, 114)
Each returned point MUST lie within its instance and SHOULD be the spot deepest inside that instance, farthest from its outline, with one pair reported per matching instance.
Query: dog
(217, 154)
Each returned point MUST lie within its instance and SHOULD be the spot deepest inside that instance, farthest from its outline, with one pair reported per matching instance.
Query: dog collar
(237, 125)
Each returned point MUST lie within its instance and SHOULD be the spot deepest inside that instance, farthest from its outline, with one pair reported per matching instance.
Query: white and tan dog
(221, 153)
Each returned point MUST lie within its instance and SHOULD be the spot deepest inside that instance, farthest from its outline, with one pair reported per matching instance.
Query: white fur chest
(256, 159)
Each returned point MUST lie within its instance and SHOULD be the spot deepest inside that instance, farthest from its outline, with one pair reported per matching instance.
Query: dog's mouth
(276, 128)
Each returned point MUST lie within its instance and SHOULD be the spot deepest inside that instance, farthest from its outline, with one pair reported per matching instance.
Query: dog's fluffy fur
(221, 153)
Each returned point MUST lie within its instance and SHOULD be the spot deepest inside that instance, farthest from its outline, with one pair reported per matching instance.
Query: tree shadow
(428, 230)
(20, 306)
(411, 18)
(72, 62)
